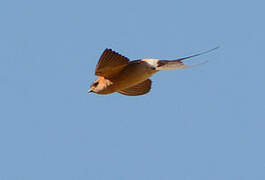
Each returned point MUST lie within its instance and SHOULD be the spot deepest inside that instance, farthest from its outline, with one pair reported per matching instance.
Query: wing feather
(110, 63)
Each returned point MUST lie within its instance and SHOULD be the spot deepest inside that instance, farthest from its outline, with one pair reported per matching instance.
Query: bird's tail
(178, 64)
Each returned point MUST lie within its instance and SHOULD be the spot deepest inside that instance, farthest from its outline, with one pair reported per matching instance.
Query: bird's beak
(90, 90)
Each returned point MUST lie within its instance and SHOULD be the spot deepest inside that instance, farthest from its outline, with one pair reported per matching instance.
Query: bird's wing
(177, 63)
(110, 63)
(138, 89)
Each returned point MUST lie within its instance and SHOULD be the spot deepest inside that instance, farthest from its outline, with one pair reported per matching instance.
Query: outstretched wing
(138, 89)
(110, 63)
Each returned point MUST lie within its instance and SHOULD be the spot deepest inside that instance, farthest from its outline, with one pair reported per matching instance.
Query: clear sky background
(203, 123)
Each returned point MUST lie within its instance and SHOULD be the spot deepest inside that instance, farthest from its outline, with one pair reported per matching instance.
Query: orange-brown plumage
(118, 74)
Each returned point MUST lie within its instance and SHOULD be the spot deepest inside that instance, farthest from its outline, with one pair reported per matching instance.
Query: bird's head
(99, 86)
(94, 87)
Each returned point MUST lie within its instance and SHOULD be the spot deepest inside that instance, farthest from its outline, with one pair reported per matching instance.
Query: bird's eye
(95, 84)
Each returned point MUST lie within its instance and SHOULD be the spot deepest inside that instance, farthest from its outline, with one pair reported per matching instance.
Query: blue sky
(200, 123)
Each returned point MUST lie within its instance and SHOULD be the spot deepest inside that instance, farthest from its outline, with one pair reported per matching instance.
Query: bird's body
(132, 74)
(118, 74)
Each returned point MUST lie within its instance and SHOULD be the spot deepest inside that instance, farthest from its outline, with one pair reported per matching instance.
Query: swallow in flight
(116, 73)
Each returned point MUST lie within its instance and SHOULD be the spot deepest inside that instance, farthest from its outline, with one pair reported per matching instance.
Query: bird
(116, 73)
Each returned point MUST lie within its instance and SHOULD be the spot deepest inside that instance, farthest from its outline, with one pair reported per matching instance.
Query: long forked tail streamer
(205, 52)
(178, 64)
